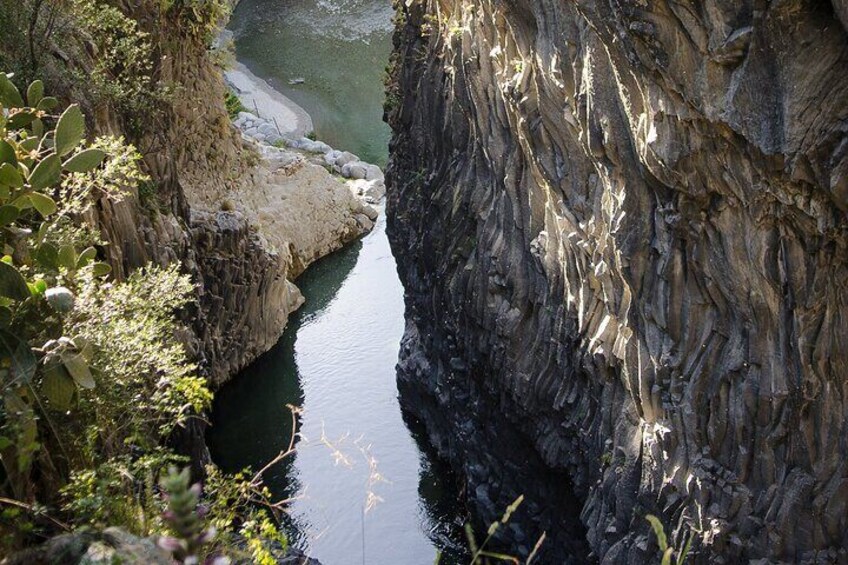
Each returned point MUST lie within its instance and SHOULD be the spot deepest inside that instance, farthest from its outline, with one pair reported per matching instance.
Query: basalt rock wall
(621, 226)
(193, 156)
(242, 219)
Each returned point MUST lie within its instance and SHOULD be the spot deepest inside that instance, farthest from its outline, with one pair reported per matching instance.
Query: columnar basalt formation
(244, 219)
(621, 227)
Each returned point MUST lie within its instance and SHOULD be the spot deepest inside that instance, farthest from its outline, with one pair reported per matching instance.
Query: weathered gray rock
(373, 172)
(371, 191)
(621, 228)
(242, 290)
(112, 545)
(267, 129)
(364, 221)
(321, 147)
(332, 156)
(355, 170)
(343, 159)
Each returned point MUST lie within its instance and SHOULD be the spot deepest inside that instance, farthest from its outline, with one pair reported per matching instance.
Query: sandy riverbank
(262, 99)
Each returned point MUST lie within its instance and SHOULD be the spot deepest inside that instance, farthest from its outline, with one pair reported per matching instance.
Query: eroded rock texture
(621, 227)
(243, 220)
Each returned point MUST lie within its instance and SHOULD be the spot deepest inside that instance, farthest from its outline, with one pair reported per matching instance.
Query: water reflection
(251, 421)
(337, 357)
(441, 498)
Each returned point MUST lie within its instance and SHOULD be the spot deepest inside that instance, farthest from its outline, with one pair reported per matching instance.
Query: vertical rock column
(621, 228)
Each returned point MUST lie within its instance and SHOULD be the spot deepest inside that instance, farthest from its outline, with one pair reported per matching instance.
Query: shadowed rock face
(621, 228)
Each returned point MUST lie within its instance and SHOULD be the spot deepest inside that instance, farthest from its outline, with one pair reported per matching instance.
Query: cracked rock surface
(621, 229)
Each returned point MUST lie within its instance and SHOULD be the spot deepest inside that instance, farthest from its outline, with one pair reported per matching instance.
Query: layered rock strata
(621, 228)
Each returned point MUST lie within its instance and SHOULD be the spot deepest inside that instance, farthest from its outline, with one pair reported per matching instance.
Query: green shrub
(92, 380)
(233, 104)
(123, 73)
(200, 19)
(75, 349)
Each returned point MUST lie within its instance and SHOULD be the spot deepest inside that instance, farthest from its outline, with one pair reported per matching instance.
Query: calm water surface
(339, 48)
(367, 487)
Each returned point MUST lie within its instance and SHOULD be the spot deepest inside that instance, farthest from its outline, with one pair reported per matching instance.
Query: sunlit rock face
(622, 230)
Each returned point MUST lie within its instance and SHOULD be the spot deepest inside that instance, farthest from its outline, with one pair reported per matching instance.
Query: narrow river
(366, 486)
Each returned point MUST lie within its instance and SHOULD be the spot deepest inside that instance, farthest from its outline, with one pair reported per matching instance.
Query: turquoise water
(366, 487)
(339, 48)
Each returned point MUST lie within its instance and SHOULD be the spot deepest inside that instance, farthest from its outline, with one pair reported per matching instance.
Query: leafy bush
(204, 530)
(240, 509)
(92, 381)
(113, 57)
(124, 71)
(233, 104)
(200, 19)
(122, 490)
(44, 176)
(75, 349)
(25, 27)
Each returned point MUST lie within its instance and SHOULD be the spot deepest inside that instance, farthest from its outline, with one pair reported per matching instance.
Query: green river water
(337, 357)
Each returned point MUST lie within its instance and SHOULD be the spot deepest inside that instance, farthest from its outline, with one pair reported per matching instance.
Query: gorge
(336, 359)
(601, 310)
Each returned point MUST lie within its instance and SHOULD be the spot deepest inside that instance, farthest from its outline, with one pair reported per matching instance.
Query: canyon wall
(621, 229)
(243, 219)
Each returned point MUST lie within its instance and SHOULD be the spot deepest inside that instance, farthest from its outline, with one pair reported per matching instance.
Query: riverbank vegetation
(96, 386)
(93, 382)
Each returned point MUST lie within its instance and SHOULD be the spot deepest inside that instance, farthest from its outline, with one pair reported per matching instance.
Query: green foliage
(240, 509)
(233, 104)
(124, 71)
(92, 380)
(128, 324)
(261, 533)
(391, 84)
(227, 517)
(121, 490)
(75, 349)
(24, 33)
(666, 550)
(42, 368)
(200, 19)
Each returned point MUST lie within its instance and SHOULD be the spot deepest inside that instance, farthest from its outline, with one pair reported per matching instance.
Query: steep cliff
(621, 228)
(243, 219)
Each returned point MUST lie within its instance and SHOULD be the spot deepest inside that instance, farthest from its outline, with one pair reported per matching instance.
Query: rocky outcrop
(286, 213)
(243, 218)
(246, 297)
(621, 228)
